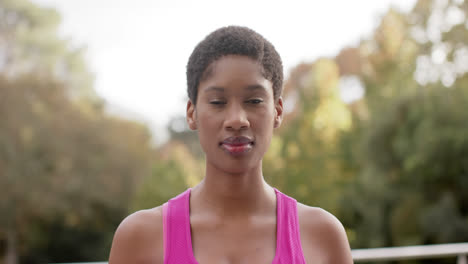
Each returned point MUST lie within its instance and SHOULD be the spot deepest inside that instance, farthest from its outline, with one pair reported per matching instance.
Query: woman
(234, 79)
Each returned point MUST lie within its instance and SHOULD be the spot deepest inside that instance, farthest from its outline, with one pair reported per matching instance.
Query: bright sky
(138, 49)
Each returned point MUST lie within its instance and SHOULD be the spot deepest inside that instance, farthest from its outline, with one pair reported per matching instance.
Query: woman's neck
(234, 194)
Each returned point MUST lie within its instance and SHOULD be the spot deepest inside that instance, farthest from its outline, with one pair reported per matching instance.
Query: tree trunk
(11, 252)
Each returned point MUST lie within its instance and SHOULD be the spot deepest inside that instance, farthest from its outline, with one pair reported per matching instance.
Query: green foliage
(175, 171)
(308, 146)
(423, 148)
(394, 167)
(58, 241)
(30, 45)
(67, 169)
(411, 146)
(52, 168)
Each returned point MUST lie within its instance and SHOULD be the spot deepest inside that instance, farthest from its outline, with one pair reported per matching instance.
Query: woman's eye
(217, 102)
(255, 101)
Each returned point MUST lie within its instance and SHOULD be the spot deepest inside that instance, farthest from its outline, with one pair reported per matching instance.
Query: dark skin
(233, 210)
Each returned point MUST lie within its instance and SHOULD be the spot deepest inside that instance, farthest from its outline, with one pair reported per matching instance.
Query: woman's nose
(236, 118)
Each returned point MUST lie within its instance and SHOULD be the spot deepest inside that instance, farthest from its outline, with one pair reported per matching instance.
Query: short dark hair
(234, 40)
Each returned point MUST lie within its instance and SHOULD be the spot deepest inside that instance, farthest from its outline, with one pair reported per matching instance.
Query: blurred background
(92, 126)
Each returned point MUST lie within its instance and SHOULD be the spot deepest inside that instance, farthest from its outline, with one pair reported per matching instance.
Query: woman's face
(235, 114)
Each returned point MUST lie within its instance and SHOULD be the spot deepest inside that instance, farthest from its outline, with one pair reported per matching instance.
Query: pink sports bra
(178, 241)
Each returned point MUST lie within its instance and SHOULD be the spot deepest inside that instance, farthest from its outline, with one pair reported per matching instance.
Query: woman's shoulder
(317, 217)
(322, 236)
(139, 238)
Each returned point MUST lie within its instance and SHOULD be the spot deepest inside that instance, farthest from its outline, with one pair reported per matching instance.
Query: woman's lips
(237, 149)
(237, 145)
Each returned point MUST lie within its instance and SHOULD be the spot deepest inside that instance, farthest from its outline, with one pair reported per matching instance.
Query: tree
(65, 164)
(29, 44)
(176, 170)
(303, 158)
(412, 144)
(392, 163)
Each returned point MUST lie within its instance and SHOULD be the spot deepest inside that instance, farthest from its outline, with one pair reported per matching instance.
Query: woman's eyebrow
(214, 89)
(250, 88)
(255, 87)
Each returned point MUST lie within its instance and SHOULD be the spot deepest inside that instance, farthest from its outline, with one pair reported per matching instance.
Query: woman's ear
(278, 112)
(191, 115)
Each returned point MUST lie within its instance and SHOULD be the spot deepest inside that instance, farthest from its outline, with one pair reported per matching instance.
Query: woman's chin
(237, 167)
